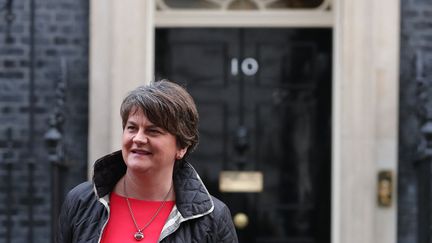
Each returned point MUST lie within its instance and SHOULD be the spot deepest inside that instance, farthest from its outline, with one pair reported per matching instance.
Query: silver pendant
(139, 236)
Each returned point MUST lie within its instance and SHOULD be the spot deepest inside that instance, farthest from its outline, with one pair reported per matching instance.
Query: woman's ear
(180, 153)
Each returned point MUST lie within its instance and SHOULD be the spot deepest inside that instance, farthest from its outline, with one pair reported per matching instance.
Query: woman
(147, 191)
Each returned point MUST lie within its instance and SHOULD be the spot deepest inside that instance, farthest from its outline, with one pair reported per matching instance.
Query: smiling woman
(141, 191)
(148, 150)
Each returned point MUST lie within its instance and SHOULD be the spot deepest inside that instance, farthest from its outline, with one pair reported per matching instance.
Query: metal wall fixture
(54, 140)
(385, 188)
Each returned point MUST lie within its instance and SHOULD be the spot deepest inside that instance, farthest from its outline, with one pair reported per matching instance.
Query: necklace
(139, 235)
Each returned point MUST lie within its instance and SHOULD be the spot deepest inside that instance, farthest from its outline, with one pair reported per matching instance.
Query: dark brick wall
(27, 98)
(416, 46)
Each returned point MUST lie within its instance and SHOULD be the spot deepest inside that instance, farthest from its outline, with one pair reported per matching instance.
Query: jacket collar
(107, 172)
(192, 197)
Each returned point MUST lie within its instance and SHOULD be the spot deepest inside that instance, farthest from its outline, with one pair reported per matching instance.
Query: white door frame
(365, 95)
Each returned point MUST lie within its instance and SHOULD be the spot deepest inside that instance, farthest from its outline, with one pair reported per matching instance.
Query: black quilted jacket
(196, 217)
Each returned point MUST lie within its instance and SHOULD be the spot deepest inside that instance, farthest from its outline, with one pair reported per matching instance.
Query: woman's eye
(130, 128)
(154, 131)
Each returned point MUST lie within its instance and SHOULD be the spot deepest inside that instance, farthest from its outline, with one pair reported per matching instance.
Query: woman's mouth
(140, 151)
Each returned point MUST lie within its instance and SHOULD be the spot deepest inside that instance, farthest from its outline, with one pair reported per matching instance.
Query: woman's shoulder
(220, 208)
(222, 218)
(81, 196)
(81, 192)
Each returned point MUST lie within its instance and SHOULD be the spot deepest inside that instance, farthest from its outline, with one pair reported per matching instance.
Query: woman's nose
(140, 137)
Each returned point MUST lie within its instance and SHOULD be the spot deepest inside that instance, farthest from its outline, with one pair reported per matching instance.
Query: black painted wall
(415, 64)
(33, 43)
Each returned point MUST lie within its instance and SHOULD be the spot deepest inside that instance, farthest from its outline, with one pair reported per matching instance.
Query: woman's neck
(150, 188)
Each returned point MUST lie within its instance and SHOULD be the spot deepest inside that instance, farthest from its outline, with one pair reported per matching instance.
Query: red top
(120, 227)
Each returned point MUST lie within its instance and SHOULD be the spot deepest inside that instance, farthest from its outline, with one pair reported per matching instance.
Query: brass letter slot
(241, 181)
(385, 188)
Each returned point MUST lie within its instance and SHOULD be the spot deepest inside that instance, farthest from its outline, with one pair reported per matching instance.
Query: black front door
(264, 98)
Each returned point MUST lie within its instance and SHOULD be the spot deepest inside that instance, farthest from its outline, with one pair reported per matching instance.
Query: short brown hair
(167, 105)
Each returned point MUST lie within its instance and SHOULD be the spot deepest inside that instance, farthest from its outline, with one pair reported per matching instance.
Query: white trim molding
(365, 118)
(121, 58)
(262, 16)
(215, 18)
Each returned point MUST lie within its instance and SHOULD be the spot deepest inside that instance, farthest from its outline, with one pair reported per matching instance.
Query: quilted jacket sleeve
(226, 232)
(64, 231)
(73, 209)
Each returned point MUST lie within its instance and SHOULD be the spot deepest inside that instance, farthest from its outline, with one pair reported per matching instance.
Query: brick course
(416, 37)
(61, 34)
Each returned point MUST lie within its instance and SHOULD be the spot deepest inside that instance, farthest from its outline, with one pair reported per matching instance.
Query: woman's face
(148, 148)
